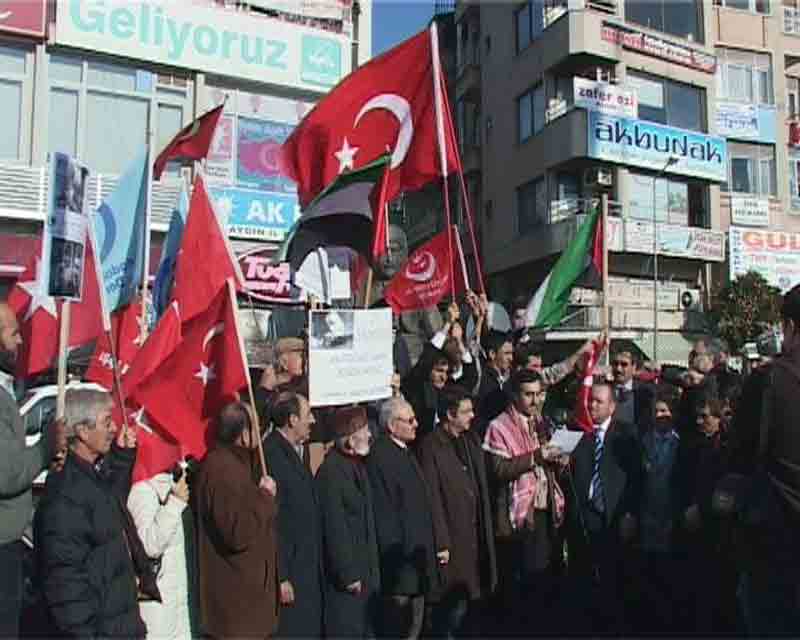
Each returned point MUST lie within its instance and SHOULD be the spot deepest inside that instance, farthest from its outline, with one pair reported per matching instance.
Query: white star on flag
(139, 421)
(37, 290)
(106, 360)
(142, 322)
(346, 155)
(206, 373)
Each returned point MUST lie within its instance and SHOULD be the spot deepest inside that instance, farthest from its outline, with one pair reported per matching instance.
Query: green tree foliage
(745, 308)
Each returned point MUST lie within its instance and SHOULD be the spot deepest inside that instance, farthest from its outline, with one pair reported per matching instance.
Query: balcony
(575, 33)
(467, 8)
(562, 140)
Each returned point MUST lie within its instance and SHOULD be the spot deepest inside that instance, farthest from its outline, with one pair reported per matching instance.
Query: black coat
(493, 398)
(299, 539)
(462, 512)
(404, 520)
(644, 401)
(350, 544)
(87, 574)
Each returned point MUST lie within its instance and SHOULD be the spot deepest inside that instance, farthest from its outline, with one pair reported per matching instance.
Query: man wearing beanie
(348, 524)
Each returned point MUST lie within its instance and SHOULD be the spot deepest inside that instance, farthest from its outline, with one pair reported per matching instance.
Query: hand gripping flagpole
(440, 136)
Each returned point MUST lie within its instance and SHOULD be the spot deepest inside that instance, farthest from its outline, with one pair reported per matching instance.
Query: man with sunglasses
(635, 400)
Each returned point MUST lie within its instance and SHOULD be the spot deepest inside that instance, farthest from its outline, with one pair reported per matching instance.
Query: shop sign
(675, 241)
(656, 47)
(737, 120)
(773, 254)
(605, 98)
(750, 212)
(24, 17)
(256, 215)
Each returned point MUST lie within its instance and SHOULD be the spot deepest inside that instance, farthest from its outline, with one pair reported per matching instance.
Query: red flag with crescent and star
(389, 103)
(426, 277)
(585, 373)
(126, 331)
(191, 143)
(186, 391)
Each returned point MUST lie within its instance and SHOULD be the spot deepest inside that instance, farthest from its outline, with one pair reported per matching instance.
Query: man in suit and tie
(300, 530)
(606, 489)
(635, 400)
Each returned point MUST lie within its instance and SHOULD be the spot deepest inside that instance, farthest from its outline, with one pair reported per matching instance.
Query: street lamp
(670, 161)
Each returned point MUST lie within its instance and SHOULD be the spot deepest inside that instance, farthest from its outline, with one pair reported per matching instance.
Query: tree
(745, 308)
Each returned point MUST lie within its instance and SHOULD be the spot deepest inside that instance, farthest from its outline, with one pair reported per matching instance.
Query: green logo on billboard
(321, 61)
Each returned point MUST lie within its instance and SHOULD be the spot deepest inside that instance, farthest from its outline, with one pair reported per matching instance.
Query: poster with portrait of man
(66, 226)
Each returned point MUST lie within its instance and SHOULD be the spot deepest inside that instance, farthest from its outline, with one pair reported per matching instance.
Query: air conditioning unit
(691, 300)
(598, 177)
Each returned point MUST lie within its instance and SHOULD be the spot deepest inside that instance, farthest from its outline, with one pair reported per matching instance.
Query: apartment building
(683, 112)
(100, 80)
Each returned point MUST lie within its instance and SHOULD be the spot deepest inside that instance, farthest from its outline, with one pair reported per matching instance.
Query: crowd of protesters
(443, 511)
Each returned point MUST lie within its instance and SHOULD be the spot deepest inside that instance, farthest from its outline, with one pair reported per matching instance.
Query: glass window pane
(742, 175)
(640, 197)
(112, 76)
(738, 4)
(766, 176)
(683, 106)
(65, 68)
(650, 92)
(523, 28)
(678, 203)
(170, 121)
(525, 117)
(12, 60)
(681, 19)
(648, 13)
(110, 146)
(764, 86)
(10, 118)
(537, 18)
(762, 6)
(538, 108)
(740, 83)
(541, 202)
(63, 128)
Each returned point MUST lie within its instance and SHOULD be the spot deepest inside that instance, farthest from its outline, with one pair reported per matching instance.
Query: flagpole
(63, 340)
(254, 417)
(437, 100)
(464, 273)
(147, 214)
(606, 321)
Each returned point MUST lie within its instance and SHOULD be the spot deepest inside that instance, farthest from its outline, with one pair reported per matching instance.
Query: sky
(395, 20)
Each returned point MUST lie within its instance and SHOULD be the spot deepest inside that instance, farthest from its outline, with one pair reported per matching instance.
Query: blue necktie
(598, 498)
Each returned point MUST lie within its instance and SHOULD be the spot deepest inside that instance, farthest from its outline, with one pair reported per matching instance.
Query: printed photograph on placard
(70, 184)
(66, 267)
(332, 330)
(258, 148)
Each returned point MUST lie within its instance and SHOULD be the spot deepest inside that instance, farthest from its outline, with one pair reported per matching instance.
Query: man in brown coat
(453, 465)
(236, 533)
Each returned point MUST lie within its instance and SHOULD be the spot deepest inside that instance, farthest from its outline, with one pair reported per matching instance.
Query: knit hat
(348, 420)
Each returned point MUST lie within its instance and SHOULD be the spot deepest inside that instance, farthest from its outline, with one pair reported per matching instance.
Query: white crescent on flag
(399, 107)
(216, 330)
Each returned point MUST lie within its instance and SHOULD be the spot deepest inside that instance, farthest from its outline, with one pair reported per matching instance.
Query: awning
(673, 348)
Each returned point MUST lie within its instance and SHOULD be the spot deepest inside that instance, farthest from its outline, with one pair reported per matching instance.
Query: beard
(8, 361)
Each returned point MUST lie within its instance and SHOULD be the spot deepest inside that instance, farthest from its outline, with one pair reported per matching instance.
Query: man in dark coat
(404, 522)
(607, 471)
(82, 537)
(635, 400)
(495, 372)
(454, 467)
(300, 534)
(422, 386)
(236, 534)
(352, 571)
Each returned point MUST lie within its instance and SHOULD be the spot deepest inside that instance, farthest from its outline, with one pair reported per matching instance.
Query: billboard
(773, 254)
(605, 97)
(254, 214)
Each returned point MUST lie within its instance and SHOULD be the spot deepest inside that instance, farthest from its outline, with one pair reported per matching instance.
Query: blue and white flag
(162, 287)
(120, 225)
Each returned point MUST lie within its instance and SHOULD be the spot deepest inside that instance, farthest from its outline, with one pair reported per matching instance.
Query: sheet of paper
(566, 440)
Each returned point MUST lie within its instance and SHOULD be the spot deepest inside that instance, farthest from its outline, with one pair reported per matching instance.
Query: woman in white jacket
(158, 507)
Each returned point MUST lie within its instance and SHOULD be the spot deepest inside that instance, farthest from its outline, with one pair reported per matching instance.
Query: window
(753, 6)
(792, 97)
(469, 124)
(751, 169)
(680, 201)
(531, 108)
(90, 100)
(529, 23)
(668, 102)
(681, 18)
(531, 205)
(16, 86)
(744, 76)
(794, 180)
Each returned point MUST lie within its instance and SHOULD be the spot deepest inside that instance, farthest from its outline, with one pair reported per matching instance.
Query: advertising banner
(737, 120)
(605, 98)
(254, 214)
(258, 148)
(220, 163)
(65, 229)
(23, 17)
(210, 39)
(650, 145)
(350, 356)
(674, 240)
(657, 47)
(773, 254)
(267, 281)
(749, 212)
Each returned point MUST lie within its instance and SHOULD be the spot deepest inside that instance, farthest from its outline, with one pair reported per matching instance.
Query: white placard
(606, 98)
(750, 212)
(350, 356)
(566, 440)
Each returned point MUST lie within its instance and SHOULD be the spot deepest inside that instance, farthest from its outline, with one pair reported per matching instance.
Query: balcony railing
(554, 9)
(568, 208)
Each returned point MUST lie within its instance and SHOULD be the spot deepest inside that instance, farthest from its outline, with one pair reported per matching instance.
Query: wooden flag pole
(368, 290)
(254, 417)
(147, 216)
(606, 316)
(63, 345)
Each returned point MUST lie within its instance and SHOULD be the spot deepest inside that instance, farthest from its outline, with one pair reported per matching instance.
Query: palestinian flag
(581, 263)
(348, 213)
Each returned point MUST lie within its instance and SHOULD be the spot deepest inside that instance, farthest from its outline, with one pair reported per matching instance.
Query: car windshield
(28, 395)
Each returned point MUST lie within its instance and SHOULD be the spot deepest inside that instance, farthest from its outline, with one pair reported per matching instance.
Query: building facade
(100, 80)
(682, 111)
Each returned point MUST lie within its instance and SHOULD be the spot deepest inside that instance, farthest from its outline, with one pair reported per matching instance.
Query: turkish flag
(387, 103)
(427, 276)
(191, 143)
(185, 393)
(37, 316)
(586, 366)
(156, 451)
(159, 346)
(126, 331)
(205, 260)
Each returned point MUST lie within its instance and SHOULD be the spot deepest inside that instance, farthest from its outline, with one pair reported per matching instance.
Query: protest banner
(350, 356)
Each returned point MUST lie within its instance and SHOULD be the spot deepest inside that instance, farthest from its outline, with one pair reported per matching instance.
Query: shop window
(531, 206)
(751, 169)
(668, 102)
(681, 18)
(744, 76)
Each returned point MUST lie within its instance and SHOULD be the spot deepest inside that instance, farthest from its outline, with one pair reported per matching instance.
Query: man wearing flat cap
(348, 524)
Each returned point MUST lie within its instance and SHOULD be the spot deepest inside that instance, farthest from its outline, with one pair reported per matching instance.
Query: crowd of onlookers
(445, 510)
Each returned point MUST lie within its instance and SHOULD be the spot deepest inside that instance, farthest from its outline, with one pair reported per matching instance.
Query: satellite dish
(497, 319)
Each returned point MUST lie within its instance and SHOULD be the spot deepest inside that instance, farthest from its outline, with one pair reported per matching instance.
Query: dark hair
(438, 356)
(518, 303)
(667, 394)
(710, 400)
(523, 376)
(607, 385)
(790, 310)
(287, 405)
(233, 419)
(451, 397)
(452, 352)
(495, 340)
(524, 352)
(636, 359)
